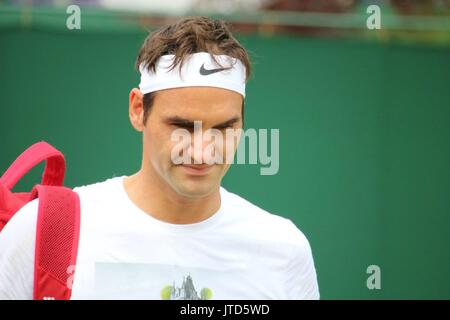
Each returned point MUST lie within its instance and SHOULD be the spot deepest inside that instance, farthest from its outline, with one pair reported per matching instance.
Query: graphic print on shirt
(152, 281)
(186, 291)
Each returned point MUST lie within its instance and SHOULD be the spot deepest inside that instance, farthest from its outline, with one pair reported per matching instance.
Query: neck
(159, 200)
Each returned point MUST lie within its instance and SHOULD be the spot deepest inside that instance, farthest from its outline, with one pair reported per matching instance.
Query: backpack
(58, 223)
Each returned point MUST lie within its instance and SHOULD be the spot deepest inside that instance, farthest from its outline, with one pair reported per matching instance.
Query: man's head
(157, 114)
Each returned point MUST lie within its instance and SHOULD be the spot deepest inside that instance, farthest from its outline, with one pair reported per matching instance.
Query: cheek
(230, 146)
(158, 141)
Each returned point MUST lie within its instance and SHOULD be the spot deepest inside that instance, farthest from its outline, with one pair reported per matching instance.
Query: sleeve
(17, 247)
(301, 277)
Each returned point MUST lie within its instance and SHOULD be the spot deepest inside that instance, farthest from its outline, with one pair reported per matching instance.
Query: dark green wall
(364, 141)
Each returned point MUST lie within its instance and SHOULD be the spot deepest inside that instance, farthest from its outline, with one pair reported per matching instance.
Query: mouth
(197, 170)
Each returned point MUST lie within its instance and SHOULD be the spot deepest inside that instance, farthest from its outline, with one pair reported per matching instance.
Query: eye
(224, 127)
(187, 127)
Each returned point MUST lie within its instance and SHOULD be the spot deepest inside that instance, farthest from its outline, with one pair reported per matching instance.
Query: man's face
(178, 108)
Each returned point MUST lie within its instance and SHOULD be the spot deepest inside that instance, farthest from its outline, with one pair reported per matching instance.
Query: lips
(197, 170)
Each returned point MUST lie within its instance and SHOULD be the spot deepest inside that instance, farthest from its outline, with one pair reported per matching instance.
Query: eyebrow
(186, 123)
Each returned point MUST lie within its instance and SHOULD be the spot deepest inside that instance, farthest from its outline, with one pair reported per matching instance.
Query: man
(170, 231)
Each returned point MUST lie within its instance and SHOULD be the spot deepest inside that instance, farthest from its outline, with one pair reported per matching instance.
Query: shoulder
(99, 191)
(17, 246)
(263, 222)
(282, 241)
(21, 225)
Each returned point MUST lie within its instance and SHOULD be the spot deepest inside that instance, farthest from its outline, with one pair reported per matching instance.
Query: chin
(192, 186)
(196, 189)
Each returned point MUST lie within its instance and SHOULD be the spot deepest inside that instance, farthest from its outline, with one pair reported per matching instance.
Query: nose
(202, 149)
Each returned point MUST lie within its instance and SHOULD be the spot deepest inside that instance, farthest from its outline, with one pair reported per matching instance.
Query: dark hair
(187, 36)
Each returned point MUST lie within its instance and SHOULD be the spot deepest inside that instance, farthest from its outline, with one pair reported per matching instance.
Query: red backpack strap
(11, 202)
(55, 165)
(57, 233)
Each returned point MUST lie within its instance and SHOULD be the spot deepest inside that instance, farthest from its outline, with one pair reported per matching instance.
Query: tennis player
(170, 231)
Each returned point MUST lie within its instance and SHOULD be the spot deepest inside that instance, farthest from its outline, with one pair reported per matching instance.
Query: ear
(136, 109)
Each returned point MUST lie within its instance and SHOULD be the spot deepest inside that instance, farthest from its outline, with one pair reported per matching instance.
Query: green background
(364, 138)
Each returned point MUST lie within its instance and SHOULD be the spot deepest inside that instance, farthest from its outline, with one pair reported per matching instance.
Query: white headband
(198, 70)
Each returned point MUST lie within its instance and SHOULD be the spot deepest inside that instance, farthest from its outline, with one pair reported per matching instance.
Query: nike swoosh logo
(205, 72)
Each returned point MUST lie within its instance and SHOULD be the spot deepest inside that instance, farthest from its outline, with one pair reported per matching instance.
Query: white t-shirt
(240, 252)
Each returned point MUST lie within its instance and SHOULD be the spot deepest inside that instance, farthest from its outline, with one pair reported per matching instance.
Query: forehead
(197, 103)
